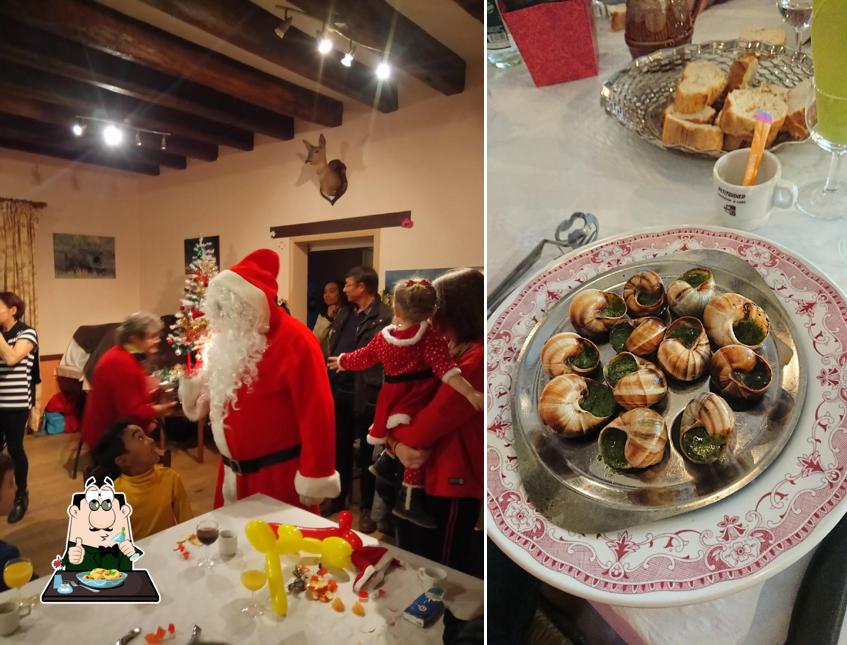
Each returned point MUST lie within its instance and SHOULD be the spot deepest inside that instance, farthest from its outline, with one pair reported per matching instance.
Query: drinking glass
(17, 573)
(253, 580)
(826, 112)
(207, 533)
(798, 14)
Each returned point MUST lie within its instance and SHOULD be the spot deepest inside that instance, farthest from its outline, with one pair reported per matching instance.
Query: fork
(74, 584)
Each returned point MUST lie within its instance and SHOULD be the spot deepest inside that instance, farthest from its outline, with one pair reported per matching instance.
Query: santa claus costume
(264, 384)
(412, 358)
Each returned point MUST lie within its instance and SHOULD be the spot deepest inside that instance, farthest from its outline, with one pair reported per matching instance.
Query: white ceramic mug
(431, 577)
(228, 543)
(749, 207)
(10, 616)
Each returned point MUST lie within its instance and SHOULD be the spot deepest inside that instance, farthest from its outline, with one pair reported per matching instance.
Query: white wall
(84, 200)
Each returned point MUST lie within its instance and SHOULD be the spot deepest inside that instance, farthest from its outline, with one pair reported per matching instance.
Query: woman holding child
(447, 437)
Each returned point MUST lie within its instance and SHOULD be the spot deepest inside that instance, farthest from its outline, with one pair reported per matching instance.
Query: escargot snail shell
(713, 414)
(645, 283)
(687, 300)
(586, 311)
(559, 351)
(728, 366)
(642, 388)
(559, 406)
(685, 363)
(646, 434)
(646, 337)
(723, 312)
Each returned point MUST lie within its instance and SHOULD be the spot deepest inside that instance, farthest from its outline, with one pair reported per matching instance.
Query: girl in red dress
(415, 359)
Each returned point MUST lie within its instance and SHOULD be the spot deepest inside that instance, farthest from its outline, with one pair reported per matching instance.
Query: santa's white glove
(310, 501)
(194, 398)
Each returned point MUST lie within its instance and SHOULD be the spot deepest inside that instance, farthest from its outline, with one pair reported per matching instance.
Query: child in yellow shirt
(155, 493)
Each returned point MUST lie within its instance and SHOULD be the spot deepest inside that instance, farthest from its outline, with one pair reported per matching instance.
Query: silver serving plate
(637, 96)
(565, 478)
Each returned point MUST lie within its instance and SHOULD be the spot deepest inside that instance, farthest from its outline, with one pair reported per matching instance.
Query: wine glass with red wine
(207, 533)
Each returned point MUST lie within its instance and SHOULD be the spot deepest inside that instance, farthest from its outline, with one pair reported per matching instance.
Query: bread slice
(697, 136)
(738, 116)
(742, 71)
(795, 122)
(731, 142)
(773, 36)
(617, 16)
(702, 83)
(706, 116)
(776, 90)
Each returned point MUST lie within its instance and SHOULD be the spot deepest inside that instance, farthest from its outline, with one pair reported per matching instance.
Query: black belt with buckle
(248, 466)
(411, 376)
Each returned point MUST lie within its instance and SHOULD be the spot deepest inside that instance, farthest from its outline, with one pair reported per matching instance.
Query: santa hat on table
(254, 280)
(372, 563)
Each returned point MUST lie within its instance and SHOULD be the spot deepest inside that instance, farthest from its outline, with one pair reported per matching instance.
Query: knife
(132, 633)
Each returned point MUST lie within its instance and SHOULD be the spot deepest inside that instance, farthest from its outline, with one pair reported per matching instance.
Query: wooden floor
(41, 534)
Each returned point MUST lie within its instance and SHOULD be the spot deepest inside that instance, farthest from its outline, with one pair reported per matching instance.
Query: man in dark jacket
(355, 393)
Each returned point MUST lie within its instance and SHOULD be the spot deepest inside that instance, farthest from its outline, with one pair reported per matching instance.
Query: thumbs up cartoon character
(99, 532)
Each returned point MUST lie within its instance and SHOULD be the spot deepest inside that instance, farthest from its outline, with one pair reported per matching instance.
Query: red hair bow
(423, 282)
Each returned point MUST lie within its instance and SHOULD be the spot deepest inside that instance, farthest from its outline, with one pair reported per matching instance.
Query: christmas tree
(188, 334)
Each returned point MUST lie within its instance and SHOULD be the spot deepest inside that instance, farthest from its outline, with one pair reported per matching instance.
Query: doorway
(314, 259)
(326, 265)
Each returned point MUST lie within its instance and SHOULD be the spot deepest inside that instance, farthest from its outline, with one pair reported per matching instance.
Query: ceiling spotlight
(347, 61)
(78, 128)
(164, 144)
(324, 44)
(383, 71)
(137, 138)
(283, 26)
(112, 135)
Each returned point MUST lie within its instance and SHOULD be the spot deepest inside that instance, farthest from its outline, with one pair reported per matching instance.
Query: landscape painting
(83, 256)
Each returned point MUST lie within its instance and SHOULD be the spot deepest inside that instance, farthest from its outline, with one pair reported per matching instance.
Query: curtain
(18, 223)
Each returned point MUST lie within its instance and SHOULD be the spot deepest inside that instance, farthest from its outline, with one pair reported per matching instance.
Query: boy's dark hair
(12, 300)
(367, 276)
(6, 465)
(110, 447)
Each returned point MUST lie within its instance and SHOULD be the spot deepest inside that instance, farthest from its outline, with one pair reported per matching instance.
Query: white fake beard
(232, 354)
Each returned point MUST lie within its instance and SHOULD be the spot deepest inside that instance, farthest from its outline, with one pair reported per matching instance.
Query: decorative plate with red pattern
(719, 549)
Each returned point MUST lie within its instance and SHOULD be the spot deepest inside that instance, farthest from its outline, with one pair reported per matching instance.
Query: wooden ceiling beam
(475, 8)
(64, 117)
(251, 28)
(93, 101)
(376, 23)
(50, 53)
(114, 33)
(52, 136)
(92, 158)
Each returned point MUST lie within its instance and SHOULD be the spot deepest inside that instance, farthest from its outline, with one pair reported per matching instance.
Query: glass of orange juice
(253, 580)
(17, 573)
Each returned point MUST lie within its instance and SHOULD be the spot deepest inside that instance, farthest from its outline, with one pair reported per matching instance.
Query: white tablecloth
(552, 151)
(213, 600)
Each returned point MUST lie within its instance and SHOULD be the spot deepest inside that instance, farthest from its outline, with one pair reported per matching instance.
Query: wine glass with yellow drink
(826, 112)
(253, 580)
(17, 573)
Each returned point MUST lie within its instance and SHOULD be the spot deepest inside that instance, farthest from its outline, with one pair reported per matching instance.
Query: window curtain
(18, 223)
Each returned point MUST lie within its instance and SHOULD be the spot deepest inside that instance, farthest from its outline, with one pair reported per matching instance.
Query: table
(552, 151)
(213, 600)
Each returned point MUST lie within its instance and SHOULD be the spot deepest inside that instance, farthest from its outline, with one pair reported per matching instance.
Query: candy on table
(338, 605)
(358, 609)
(161, 634)
(363, 595)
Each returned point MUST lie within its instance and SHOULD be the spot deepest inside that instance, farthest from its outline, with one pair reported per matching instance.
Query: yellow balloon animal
(335, 553)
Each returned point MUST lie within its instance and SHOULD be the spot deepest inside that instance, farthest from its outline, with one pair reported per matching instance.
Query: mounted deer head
(332, 176)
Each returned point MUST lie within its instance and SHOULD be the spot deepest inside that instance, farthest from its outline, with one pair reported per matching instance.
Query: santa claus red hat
(253, 279)
(372, 563)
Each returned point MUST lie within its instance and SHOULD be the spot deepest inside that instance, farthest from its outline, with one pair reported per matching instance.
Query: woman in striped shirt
(18, 343)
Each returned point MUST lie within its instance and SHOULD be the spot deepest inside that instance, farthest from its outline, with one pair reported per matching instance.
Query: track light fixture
(114, 133)
(347, 61)
(164, 144)
(287, 20)
(137, 138)
(78, 128)
(383, 71)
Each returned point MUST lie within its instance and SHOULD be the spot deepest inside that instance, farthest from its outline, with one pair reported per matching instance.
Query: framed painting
(83, 256)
